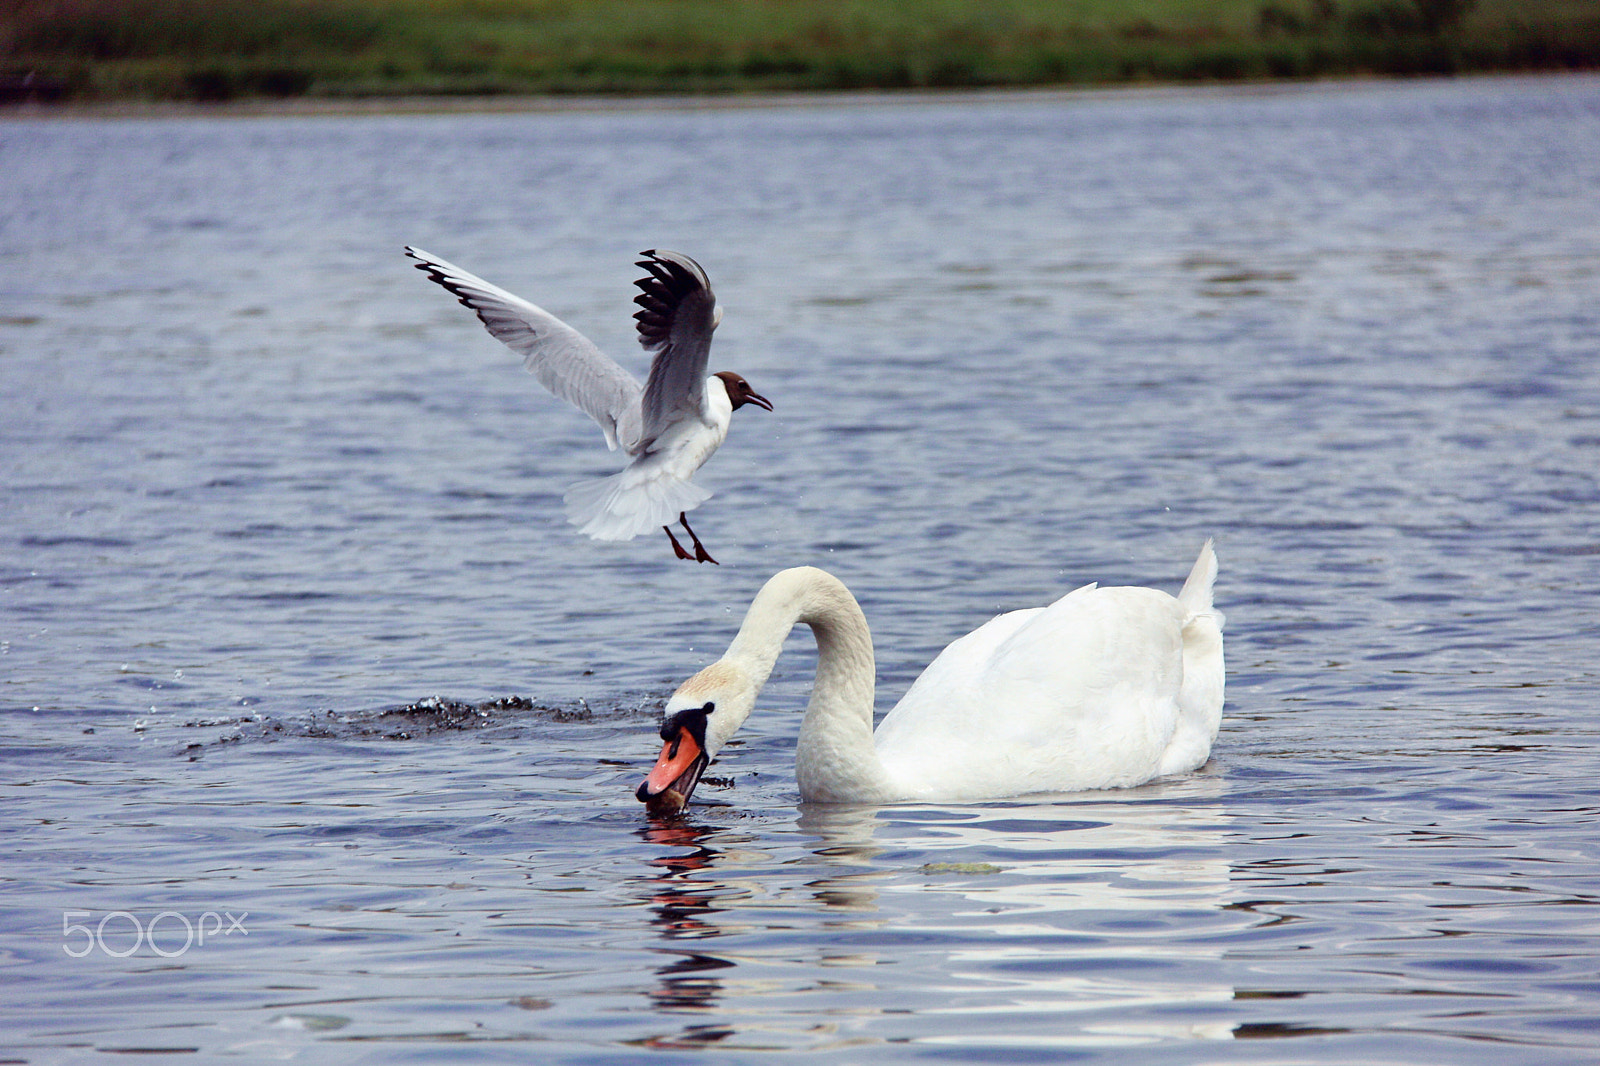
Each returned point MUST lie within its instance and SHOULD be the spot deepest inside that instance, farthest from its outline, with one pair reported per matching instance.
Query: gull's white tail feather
(637, 500)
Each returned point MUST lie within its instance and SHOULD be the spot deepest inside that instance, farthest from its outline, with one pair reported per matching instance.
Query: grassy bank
(227, 49)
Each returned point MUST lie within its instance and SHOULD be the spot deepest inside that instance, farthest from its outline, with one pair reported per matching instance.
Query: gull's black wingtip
(673, 278)
(424, 263)
(440, 276)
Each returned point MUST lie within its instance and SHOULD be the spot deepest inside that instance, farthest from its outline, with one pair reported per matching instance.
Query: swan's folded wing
(677, 314)
(1102, 667)
(564, 360)
(1081, 694)
(934, 721)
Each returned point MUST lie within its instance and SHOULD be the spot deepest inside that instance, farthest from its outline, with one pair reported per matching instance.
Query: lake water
(319, 728)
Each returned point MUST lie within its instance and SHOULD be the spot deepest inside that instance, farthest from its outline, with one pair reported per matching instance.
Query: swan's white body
(1104, 688)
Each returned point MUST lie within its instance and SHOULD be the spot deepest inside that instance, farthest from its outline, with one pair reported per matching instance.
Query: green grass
(223, 49)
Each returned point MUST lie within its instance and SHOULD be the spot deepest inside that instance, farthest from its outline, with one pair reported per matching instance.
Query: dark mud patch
(412, 721)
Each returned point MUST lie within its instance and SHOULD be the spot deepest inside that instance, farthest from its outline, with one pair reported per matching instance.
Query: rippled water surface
(319, 728)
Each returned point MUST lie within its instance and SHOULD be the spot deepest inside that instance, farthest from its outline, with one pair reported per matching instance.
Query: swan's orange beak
(677, 771)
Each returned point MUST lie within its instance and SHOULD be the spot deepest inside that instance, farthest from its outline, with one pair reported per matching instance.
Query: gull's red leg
(677, 549)
(700, 553)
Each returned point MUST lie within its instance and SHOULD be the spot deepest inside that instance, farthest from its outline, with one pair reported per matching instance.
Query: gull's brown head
(740, 392)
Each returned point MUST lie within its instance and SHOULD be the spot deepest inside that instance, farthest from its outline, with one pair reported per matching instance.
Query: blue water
(297, 653)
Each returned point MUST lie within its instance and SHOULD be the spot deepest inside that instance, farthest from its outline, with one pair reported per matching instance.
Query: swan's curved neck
(835, 759)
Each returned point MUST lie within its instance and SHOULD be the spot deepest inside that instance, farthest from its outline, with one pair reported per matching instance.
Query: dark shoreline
(560, 103)
(307, 54)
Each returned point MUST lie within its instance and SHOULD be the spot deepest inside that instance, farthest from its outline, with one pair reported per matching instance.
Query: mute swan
(1105, 688)
(671, 425)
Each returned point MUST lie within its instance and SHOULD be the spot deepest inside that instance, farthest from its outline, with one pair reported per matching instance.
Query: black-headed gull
(671, 425)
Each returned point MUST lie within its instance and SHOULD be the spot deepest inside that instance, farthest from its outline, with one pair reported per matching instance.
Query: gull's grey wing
(676, 318)
(564, 360)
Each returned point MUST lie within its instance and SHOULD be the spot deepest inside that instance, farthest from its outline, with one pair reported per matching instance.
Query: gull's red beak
(677, 770)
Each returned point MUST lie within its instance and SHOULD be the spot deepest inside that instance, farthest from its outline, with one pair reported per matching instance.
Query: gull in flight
(671, 425)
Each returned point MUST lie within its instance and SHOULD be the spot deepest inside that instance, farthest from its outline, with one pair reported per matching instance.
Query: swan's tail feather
(1201, 695)
(1196, 594)
(632, 502)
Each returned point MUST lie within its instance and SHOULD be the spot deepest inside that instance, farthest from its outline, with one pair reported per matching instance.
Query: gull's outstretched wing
(678, 314)
(564, 360)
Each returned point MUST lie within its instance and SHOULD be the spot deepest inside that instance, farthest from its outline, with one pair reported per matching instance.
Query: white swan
(1105, 688)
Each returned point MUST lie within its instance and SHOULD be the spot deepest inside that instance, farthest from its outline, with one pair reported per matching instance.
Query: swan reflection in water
(1078, 921)
(680, 903)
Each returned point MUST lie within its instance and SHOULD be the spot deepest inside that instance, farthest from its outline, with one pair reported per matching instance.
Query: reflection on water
(1070, 925)
(681, 902)
(1067, 909)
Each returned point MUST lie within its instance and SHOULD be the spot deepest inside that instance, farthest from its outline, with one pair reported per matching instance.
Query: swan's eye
(691, 718)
